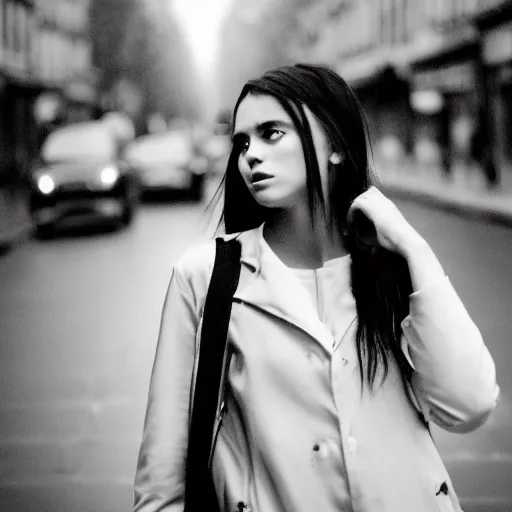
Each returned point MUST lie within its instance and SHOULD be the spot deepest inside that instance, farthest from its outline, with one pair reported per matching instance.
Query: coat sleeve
(454, 377)
(159, 479)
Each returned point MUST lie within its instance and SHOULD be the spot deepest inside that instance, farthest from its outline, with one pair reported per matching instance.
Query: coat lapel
(267, 284)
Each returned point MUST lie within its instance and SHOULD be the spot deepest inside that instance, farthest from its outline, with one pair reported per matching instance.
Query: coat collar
(268, 284)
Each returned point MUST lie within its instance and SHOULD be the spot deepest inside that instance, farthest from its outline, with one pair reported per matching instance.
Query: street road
(78, 324)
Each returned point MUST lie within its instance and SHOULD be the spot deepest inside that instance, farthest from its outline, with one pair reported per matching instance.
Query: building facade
(495, 29)
(45, 76)
(434, 76)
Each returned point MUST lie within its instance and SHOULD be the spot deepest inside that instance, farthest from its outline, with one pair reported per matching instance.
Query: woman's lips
(259, 176)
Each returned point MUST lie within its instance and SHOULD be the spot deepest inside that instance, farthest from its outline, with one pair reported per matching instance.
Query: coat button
(344, 361)
(321, 450)
(407, 323)
(352, 444)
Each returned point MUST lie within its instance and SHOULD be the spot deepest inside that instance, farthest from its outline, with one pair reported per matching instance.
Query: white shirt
(330, 292)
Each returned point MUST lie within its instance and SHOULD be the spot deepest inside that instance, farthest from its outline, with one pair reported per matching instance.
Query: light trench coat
(276, 446)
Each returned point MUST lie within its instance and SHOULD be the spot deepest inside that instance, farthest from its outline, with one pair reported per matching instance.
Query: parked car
(167, 162)
(79, 178)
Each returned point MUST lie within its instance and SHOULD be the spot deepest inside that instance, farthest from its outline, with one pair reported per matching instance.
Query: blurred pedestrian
(346, 342)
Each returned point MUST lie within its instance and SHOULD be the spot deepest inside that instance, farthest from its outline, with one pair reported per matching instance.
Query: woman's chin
(275, 197)
(268, 199)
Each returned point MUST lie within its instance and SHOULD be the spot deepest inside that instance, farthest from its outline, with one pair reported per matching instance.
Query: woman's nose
(253, 161)
(253, 154)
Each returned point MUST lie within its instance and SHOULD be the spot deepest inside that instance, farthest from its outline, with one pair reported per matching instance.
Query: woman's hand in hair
(390, 228)
(392, 231)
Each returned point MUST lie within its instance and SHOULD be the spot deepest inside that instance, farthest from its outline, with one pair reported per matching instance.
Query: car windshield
(174, 146)
(82, 141)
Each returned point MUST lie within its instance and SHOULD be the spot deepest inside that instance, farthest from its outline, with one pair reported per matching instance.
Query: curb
(488, 211)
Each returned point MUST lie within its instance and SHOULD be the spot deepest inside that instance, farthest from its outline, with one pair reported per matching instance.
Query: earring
(335, 158)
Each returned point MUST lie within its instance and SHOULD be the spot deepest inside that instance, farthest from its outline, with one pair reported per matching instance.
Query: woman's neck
(300, 244)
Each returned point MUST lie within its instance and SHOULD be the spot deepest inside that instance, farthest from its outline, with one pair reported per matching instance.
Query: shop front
(384, 96)
(19, 142)
(496, 33)
(445, 100)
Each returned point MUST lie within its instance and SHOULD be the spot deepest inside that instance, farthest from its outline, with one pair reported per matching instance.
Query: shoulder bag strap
(199, 491)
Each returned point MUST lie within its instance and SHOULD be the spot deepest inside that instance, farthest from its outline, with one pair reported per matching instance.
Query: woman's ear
(336, 158)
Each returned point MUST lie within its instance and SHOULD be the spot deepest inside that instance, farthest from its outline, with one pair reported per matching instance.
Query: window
(399, 21)
(410, 18)
(9, 27)
(471, 7)
(21, 31)
(386, 26)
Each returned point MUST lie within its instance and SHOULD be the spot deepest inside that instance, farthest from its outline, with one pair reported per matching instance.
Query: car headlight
(109, 175)
(45, 184)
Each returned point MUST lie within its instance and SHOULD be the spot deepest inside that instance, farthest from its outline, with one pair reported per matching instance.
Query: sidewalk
(465, 192)
(15, 223)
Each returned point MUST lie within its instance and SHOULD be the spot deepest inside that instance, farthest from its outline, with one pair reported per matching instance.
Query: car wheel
(45, 231)
(127, 214)
(196, 190)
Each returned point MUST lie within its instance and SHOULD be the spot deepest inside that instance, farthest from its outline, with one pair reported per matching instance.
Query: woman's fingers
(369, 202)
(390, 228)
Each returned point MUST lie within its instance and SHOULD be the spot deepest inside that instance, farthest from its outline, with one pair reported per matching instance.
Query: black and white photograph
(255, 255)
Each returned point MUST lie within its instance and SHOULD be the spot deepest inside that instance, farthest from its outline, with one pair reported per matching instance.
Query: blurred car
(215, 146)
(167, 162)
(79, 178)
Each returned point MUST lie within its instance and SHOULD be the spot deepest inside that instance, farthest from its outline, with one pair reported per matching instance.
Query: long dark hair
(380, 279)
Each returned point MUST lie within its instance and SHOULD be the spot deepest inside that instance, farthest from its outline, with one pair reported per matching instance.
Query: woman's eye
(272, 134)
(241, 143)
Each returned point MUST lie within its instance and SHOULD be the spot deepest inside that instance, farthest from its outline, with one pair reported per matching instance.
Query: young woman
(344, 347)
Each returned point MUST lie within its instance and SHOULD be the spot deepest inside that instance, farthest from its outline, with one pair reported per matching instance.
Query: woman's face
(271, 159)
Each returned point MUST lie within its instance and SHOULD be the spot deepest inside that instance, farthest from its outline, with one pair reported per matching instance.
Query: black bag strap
(199, 491)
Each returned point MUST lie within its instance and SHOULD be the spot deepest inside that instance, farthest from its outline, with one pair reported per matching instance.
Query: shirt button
(344, 361)
(352, 444)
